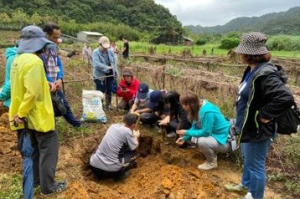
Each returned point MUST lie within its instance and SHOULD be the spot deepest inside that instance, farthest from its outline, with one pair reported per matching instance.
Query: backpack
(288, 122)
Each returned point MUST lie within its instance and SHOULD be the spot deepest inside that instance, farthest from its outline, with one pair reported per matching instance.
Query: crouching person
(212, 135)
(116, 153)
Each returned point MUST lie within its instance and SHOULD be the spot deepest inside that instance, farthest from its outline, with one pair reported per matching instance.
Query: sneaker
(208, 165)
(58, 187)
(171, 135)
(236, 188)
(248, 196)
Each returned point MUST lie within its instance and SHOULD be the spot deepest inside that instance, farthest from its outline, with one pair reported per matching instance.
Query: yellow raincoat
(30, 94)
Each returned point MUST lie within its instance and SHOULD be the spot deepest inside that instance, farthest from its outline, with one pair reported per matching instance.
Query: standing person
(128, 88)
(10, 54)
(54, 70)
(87, 54)
(125, 50)
(115, 49)
(116, 153)
(105, 70)
(177, 118)
(262, 97)
(209, 129)
(30, 99)
(142, 99)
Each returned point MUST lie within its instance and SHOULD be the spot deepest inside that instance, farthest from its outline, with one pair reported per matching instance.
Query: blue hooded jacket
(213, 124)
(10, 54)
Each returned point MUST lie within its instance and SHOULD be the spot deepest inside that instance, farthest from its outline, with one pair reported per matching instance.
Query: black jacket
(268, 98)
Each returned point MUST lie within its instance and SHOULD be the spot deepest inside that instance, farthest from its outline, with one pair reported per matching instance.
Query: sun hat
(155, 97)
(142, 91)
(32, 40)
(104, 41)
(253, 43)
(127, 72)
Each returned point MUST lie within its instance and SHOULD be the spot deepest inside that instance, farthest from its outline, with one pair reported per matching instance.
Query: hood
(270, 68)
(12, 51)
(209, 107)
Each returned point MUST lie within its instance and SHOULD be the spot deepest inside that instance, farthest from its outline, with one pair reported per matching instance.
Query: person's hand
(164, 122)
(181, 132)
(136, 112)
(17, 120)
(58, 84)
(265, 121)
(52, 87)
(180, 141)
(136, 133)
(124, 89)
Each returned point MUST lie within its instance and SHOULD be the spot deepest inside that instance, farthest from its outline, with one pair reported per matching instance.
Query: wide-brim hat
(127, 72)
(253, 43)
(32, 40)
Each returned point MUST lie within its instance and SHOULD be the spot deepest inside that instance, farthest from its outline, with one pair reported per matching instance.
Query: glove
(136, 133)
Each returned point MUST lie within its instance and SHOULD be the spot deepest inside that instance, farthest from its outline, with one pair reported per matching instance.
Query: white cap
(104, 41)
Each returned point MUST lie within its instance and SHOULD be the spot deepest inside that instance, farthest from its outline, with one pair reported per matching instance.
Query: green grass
(11, 186)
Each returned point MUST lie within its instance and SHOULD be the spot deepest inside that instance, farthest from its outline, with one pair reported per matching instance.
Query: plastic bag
(92, 106)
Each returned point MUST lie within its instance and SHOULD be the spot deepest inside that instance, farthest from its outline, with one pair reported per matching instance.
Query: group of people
(34, 70)
(262, 97)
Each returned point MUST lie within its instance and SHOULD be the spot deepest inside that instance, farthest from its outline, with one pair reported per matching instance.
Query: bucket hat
(32, 40)
(253, 43)
(127, 72)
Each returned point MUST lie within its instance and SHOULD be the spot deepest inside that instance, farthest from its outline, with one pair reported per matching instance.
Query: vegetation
(273, 24)
(114, 18)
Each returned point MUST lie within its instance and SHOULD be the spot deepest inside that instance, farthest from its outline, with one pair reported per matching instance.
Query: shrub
(228, 43)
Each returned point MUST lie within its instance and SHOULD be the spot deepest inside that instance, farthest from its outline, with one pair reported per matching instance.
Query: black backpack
(288, 121)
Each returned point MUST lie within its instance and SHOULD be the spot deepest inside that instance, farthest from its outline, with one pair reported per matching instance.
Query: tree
(36, 19)
(20, 17)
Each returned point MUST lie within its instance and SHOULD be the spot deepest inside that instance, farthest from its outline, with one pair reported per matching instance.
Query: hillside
(143, 15)
(274, 23)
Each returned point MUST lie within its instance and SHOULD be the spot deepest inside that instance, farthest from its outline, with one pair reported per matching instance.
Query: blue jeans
(105, 86)
(69, 116)
(254, 174)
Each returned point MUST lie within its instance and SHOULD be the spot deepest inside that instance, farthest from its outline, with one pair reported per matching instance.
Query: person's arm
(207, 127)
(279, 95)
(144, 110)
(60, 74)
(5, 93)
(97, 63)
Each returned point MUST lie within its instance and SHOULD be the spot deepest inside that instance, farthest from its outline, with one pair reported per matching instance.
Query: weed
(11, 186)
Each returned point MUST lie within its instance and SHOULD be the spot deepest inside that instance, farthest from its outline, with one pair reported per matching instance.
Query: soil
(164, 170)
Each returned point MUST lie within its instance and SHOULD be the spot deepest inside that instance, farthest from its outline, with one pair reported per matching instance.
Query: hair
(172, 98)
(130, 119)
(254, 59)
(50, 27)
(191, 99)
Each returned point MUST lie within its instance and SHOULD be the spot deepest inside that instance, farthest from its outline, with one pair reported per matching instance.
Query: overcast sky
(219, 12)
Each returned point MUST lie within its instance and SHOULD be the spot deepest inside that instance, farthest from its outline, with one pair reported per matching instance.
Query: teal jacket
(213, 123)
(10, 54)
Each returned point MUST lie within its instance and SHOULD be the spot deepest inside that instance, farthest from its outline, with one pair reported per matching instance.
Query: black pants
(129, 157)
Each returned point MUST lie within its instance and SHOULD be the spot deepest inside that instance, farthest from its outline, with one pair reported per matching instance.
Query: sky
(219, 12)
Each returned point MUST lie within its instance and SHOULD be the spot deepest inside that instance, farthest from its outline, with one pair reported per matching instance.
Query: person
(30, 99)
(115, 49)
(142, 99)
(10, 54)
(177, 118)
(87, 53)
(104, 69)
(263, 95)
(209, 129)
(158, 109)
(54, 70)
(116, 154)
(125, 50)
(127, 89)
